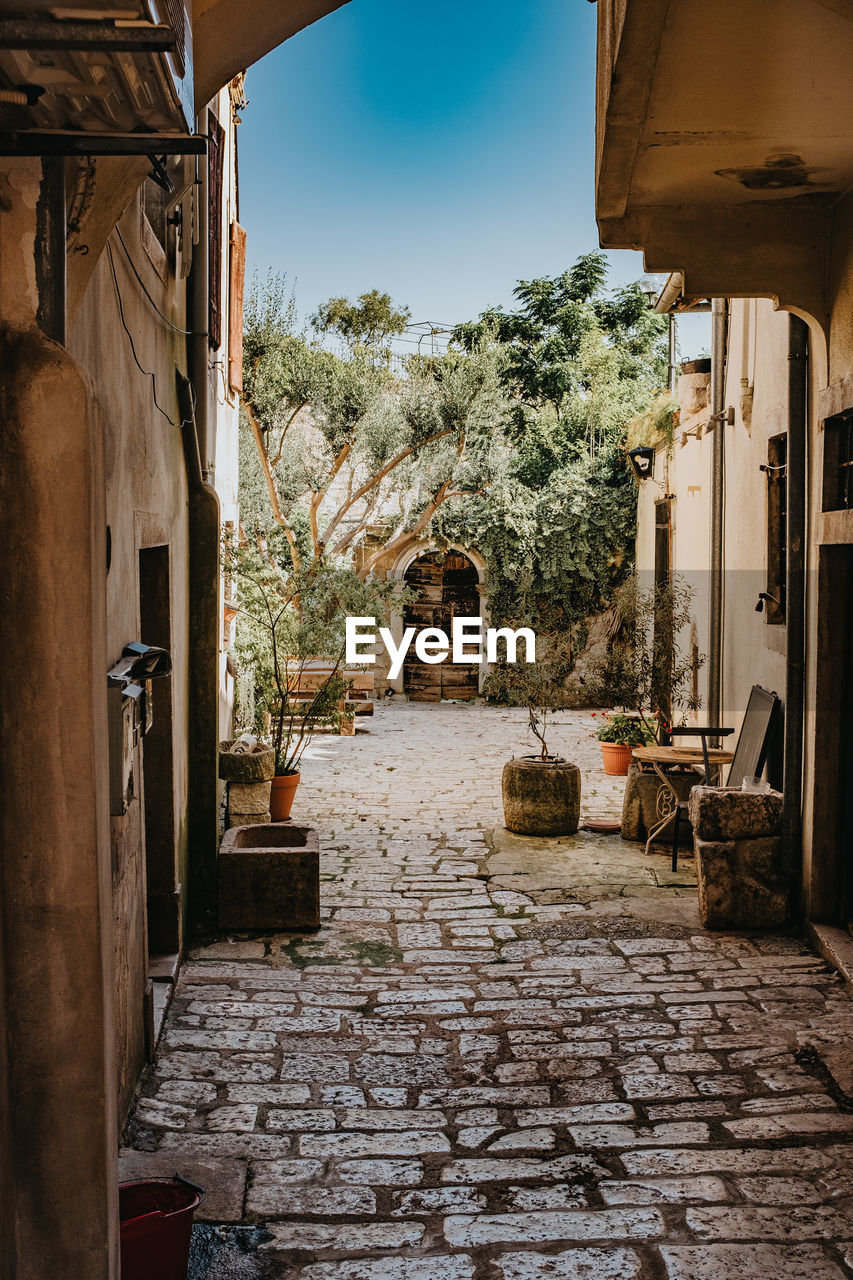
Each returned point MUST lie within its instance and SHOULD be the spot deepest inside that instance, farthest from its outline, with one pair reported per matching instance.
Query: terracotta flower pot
(283, 789)
(616, 757)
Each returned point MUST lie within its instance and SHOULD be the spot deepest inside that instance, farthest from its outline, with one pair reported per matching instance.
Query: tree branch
(317, 498)
(379, 476)
(407, 536)
(272, 488)
(290, 421)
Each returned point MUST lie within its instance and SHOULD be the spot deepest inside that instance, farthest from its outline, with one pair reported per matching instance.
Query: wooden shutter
(216, 147)
(236, 283)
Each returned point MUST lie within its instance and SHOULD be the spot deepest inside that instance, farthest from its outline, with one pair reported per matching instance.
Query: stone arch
(424, 546)
(397, 574)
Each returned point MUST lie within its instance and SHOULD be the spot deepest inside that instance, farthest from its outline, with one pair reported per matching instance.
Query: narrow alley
(496, 1062)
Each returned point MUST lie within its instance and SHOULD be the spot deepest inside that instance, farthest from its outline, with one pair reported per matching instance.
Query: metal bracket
(43, 142)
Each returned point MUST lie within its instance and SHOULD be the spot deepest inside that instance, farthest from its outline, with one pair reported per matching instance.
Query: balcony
(723, 143)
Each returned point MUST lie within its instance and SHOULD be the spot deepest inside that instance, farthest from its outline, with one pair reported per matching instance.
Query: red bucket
(156, 1225)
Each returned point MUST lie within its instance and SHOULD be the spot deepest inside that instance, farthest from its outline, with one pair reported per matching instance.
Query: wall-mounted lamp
(765, 595)
(643, 462)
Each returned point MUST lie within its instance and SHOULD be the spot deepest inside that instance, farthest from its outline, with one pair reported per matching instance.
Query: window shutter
(237, 280)
(216, 139)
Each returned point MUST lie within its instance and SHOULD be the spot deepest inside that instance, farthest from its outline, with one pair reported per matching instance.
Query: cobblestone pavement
(460, 1078)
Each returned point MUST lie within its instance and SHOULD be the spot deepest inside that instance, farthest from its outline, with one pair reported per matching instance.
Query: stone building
(719, 155)
(121, 261)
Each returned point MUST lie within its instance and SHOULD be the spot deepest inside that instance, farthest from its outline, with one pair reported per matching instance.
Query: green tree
(368, 322)
(558, 525)
(331, 445)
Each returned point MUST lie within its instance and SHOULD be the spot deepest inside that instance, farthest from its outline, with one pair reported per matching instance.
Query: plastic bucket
(156, 1225)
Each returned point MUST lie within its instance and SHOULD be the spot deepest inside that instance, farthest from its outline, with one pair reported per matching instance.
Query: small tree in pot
(541, 792)
(288, 618)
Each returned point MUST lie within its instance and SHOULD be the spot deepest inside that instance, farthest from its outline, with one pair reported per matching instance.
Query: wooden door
(446, 583)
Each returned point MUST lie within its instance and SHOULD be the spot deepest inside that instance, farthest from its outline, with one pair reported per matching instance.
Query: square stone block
(721, 813)
(249, 797)
(256, 766)
(247, 819)
(269, 877)
(741, 883)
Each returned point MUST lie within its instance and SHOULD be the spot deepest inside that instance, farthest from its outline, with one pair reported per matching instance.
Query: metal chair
(750, 752)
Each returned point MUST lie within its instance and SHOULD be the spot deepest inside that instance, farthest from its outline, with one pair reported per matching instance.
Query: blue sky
(439, 152)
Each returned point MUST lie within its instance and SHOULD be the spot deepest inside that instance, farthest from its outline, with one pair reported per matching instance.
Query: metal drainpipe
(719, 321)
(671, 378)
(795, 597)
(203, 591)
(199, 302)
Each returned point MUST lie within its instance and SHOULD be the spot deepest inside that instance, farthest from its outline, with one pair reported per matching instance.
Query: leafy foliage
(556, 529)
(368, 322)
(646, 670)
(627, 731)
(540, 686)
(656, 424)
(340, 445)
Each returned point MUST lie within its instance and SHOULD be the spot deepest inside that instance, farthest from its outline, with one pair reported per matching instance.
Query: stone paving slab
(503, 1058)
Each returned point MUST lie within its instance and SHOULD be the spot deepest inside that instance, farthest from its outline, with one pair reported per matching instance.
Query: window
(216, 147)
(777, 529)
(838, 463)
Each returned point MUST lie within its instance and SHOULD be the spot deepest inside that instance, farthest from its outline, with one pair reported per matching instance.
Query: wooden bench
(312, 673)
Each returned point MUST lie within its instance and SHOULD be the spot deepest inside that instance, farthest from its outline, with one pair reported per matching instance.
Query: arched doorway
(446, 583)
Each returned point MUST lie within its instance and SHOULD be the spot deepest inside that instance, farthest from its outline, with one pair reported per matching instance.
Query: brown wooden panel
(236, 284)
(447, 589)
(215, 149)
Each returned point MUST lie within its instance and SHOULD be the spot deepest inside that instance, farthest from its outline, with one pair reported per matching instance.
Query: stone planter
(647, 800)
(259, 766)
(739, 861)
(269, 877)
(248, 803)
(541, 797)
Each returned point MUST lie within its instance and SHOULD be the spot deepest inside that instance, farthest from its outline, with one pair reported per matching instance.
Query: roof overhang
(723, 140)
(231, 35)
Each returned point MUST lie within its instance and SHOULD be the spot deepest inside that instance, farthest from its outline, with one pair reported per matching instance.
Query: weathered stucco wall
(756, 387)
(146, 499)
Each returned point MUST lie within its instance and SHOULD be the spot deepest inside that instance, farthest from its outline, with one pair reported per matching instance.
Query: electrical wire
(185, 333)
(139, 365)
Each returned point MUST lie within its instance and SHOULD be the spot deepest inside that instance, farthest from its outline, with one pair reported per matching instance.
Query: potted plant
(290, 616)
(618, 735)
(541, 792)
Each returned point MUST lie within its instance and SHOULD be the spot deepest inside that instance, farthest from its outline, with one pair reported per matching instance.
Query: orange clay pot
(282, 791)
(616, 757)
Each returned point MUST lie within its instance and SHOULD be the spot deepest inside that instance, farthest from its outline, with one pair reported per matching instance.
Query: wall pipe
(199, 303)
(203, 589)
(672, 376)
(719, 324)
(795, 599)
